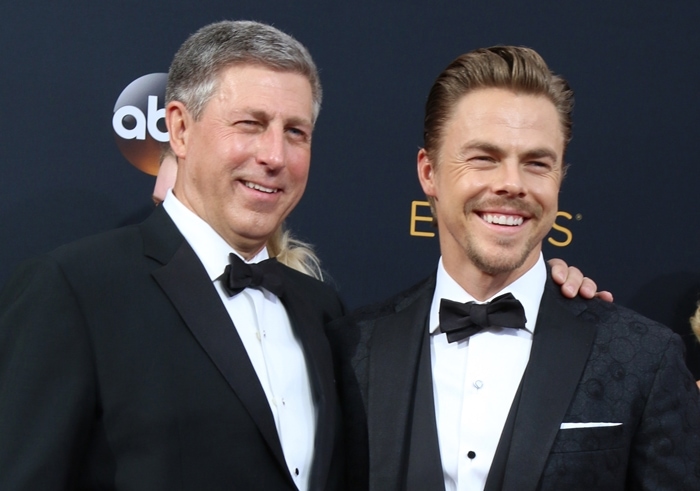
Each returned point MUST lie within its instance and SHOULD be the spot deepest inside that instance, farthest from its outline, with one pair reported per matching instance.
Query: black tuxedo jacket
(121, 369)
(591, 362)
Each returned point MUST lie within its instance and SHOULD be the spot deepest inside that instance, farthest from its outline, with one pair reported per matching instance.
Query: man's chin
(498, 264)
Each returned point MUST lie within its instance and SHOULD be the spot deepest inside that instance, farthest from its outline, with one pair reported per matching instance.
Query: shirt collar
(211, 249)
(528, 289)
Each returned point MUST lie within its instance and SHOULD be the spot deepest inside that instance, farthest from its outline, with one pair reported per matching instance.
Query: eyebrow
(535, 153)
(540, 153)
(264, 116)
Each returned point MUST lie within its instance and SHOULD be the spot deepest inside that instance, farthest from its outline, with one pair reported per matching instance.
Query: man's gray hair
(194, 73)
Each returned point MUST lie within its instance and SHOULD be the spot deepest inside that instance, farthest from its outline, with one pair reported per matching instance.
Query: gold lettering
(564, 230)
(420, 218)
(415, 218)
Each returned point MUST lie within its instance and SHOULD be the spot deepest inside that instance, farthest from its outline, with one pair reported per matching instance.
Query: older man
(142, 359)
(483, 376)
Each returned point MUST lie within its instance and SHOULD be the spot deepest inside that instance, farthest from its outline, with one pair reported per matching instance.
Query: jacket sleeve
(665, 452)
(47, 383)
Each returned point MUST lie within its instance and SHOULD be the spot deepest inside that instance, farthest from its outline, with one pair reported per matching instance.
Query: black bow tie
(461, 320)
(239, 275)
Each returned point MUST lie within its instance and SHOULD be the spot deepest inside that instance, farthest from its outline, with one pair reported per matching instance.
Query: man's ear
(426, 173)
(178, 120)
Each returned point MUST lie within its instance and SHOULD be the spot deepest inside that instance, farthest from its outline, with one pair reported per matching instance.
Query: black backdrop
(631, 191)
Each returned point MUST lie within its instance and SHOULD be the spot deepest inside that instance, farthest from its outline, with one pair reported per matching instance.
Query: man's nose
(509, 180)
(271, 148)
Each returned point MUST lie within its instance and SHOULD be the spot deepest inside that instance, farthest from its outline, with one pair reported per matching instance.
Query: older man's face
(244, 164)
(497, 182)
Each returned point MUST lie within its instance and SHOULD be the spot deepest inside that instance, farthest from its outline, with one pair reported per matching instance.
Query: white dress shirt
(475, 380)
(266, 332)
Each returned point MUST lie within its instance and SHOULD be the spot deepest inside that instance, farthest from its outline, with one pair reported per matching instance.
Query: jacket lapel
(560, 349)
(185, 282)
(394, 355)
(320, 366)
(424, 462)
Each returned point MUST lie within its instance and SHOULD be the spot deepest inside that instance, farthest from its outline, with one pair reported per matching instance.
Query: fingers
(605, 296)
(571, 279)
(560, 271)
(588, 288)
(574, 283)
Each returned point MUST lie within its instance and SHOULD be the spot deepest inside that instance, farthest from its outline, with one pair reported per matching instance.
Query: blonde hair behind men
(294, 253)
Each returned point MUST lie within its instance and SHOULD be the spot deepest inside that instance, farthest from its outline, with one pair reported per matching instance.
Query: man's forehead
(253, 70)
(258, 88)
(506, 114)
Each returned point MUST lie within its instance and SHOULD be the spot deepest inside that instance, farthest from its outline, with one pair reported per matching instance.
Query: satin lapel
(190, 290)
(393, 361)
(560, 350)
(424, 462)
(307, 326)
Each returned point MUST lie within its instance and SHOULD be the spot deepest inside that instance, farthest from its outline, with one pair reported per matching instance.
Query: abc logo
(139, 121)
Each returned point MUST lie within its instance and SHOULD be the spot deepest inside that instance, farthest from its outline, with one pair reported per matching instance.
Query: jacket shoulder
(157, 236)
(626, 340)
(615, 319)
(607, 316)
(349, 335)
(395, 303)
(315, 291)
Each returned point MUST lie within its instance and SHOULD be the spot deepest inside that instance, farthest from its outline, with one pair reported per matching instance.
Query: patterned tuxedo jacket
(591, 362)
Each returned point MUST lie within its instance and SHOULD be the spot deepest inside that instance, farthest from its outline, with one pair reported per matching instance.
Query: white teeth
(258, 187)
(509, 220)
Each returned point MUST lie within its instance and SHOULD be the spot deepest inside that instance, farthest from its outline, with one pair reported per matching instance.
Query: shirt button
(478, 384)
(296, 472)
(471, 454)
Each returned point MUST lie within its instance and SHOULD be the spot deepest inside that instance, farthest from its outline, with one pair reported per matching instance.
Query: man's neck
(247, 249)
(480, 284)
(247, 255)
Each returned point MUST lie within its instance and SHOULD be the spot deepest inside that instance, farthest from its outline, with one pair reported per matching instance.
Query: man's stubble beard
(506, 263)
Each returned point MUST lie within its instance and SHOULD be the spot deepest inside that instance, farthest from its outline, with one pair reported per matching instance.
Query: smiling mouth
(260, 188)
(507, 220)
